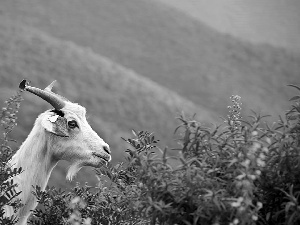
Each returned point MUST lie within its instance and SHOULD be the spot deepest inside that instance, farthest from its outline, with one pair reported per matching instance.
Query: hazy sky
(273, 21)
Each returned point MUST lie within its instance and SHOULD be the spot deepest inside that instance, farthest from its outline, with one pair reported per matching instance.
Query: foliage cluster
(8, 118)
(243, 171)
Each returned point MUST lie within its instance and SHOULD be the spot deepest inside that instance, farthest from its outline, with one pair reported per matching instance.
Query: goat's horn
(50, 86)
(55, 100)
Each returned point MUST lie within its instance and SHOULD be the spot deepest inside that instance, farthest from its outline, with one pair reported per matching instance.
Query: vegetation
(8, 194)
(243, 171)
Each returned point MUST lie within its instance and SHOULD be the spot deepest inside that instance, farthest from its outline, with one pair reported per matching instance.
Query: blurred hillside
(117, 100)
(274, 22)
(168, 47)
(83, 43)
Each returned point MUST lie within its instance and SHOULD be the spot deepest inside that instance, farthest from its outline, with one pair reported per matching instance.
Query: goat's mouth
(102, 157)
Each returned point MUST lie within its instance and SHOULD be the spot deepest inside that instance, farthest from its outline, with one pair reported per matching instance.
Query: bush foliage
(8, 118)
(244, 171)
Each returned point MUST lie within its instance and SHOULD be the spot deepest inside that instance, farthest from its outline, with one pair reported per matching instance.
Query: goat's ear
(56, 125)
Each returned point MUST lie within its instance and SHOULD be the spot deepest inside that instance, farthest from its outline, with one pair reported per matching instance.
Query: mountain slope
(117, 99)
(168, 47)
(270, 21)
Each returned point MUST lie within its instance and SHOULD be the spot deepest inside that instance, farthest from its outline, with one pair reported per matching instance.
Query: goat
(62, 133)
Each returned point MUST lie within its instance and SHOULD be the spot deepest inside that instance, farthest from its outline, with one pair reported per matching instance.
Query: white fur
(34, 158)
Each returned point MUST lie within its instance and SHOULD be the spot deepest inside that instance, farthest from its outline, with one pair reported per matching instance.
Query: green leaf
(292, 85)
(295, 98)
(231, 162)
(134, 133)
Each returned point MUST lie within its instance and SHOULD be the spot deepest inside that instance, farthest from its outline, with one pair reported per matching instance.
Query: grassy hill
(157, 42)
(169, 48)
(117, 99)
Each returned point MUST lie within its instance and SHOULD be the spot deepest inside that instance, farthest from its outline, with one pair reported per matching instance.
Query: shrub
(243, 171)
(279, 185)
(8, 194)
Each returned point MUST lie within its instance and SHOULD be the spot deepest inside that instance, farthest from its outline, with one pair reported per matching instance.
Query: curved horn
(55, 100)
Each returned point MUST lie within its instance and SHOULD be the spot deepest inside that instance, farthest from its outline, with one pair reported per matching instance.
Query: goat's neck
(35, 158)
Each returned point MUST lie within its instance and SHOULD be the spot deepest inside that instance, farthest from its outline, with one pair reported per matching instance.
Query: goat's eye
(72, 124)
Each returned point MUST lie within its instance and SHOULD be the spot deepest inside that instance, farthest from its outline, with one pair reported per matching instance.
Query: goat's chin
(73, 170)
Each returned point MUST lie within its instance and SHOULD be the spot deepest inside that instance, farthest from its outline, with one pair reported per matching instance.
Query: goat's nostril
(106, 149)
